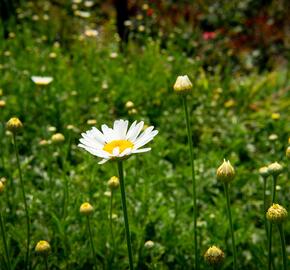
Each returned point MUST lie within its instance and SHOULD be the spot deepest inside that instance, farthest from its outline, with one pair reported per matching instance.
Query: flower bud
(57, 138)
(149, 244)
(42, 247)
(275, 169)
(225, 173)
(182, 85)
(2, 103)
(113, 183)
(276, 213)
(2, 187)
(288, 152)
(14, 125)
(214, 256)
(86, 209)
(129, 104)
(263, 171)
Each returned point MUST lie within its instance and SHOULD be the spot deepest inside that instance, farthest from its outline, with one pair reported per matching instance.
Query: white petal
(142, 150)
(126, 152)
(110, 134)
(135, 132)
(91, 142)
(95, 152)
(145, 139)
(116, 151)
(103, 161)
(120, 129)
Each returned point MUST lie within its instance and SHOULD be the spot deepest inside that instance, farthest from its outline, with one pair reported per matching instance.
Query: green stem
(4, 241)
(274, 188)
(265, 207)
(226, 187)
(91, 238)
(270, 247)
(189, 137)
(46, 262)
(124, 206)
(25, 202)
(283, 246)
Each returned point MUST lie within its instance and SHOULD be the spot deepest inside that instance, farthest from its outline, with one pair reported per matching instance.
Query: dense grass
(231, 116)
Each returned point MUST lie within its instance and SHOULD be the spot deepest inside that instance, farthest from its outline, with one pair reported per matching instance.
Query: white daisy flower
(39, 80)
(117, 142)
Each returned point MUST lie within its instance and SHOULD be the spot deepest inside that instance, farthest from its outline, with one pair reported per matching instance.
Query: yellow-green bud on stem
(225, 173)
(2, 187)
(214, 256)
(288, 152)
(86, 209)
(57, 138)
(42, 247)
(14, 125)
(275, 169)
(182, 85)
(149, 244)
(113, 183)
(264, 172)
(277, 214)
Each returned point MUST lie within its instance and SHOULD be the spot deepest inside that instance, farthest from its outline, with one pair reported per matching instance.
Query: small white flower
(117, 142)
(39, 80)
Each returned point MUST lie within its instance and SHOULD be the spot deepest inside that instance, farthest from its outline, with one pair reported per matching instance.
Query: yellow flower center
(122, 144)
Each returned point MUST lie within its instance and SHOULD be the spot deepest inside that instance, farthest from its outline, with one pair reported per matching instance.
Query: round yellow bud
(2, 187)
(42, 247)
(57, 138)
(182, 85)
(114, 183)
(275, 169)
(288, 152)
(263, 171)
(149, 244)
(14, 125)
(276, 213)
(225, 173)
(2, 103)
(214, 256)
(86, 209)
(129, 104)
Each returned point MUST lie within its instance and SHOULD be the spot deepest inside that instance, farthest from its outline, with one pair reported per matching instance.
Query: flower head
(113, 183)
(263, 171)
(182, 85)
(117, 142)
(14, 125)
(276, 213)
(2, 187)
(57, 138)
(275, 169)
(86, 209)
(39, 80)
(225, 173)
(214, 256)
(42, 247)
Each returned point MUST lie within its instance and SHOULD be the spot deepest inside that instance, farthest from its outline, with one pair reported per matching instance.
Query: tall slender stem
(265, 207)
(24, 200)
(46, 262)
(270, 247)
(283, 246)
(226, 187)
(4, 241)
(124, 206)
(91, 238)
(189, 137)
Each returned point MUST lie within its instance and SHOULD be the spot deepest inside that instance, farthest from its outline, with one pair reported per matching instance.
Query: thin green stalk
(91, 238)
(25, 202)
(283, 246)
(124, 206)
(270, 247)
(189, 136)
(46, 262)
(4, 241)
(265, 207)
(226, 187)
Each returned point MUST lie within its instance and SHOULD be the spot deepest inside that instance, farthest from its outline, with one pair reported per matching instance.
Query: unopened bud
(86, 209)
(14, 125)
(214, 256)
(225, 173)
(113, 183)
(275, 169)
(277, 213)
(42, 247)
(182, 85)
